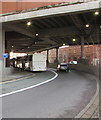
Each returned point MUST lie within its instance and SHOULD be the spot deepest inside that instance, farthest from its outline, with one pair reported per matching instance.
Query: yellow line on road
(17, 79)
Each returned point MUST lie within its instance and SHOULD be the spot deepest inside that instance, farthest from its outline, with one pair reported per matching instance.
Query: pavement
(17, 73)
(92, 109)
(22, 80)
(64, 97)
(96, 113)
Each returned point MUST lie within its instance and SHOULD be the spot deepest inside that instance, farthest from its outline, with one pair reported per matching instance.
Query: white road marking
(17, 91)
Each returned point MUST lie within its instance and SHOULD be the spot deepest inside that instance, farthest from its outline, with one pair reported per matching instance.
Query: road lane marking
(17, 91)
(8, 81)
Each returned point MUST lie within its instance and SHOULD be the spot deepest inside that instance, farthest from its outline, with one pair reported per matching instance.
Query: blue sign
(5, 55)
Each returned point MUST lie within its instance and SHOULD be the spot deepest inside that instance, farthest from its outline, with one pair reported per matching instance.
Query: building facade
(8, 6)
(66, 54)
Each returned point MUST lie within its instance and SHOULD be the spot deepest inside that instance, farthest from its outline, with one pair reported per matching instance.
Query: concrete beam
(58, 32)
(47, 48)
(77, 21)
(53, 11)
(47, 40)
(46, 33)
(19, 29)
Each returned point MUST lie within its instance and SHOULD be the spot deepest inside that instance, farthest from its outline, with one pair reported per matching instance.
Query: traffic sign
(5, 55)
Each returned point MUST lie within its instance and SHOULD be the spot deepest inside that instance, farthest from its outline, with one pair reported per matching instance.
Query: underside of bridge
(76, 24)
(53, 31)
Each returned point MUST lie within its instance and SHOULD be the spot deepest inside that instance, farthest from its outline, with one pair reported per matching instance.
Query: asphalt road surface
(63, 97)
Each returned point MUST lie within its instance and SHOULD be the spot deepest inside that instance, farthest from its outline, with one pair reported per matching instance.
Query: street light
(87, 25)
(36, 34)
(64, 44)
(96, 13)
(29, 23)
(74, 39)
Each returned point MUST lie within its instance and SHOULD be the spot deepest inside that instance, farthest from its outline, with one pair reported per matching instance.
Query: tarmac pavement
(64, 97)
(16, 74)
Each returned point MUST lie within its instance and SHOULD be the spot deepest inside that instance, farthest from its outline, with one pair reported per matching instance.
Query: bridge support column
(82, 47)
(2, 50)
(23, 64)
(57, 48)
(82, 59)
(47, 57)
(7, 50)
(7, 61)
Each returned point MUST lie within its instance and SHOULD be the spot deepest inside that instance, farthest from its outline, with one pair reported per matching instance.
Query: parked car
(63, 67)
(73, 62)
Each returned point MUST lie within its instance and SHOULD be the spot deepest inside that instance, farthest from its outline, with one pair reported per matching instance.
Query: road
(63, 97)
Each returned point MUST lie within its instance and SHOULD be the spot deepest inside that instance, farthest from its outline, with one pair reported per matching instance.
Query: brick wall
(16, 5)
(74, 52)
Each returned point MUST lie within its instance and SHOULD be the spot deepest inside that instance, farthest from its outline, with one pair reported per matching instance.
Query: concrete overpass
(51, 28)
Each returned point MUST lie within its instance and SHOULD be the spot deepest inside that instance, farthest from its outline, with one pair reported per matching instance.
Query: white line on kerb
(17, 91)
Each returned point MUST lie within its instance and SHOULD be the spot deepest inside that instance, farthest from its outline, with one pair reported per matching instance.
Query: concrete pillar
(1, 62)
(2, 39)
(47, 57)
(57, 48)
(7, 50)
(2, 50)
(7, 60)
(82, 47)
(23, 64)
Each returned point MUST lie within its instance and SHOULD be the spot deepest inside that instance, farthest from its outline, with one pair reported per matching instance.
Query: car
(73, 62)
(63, 67)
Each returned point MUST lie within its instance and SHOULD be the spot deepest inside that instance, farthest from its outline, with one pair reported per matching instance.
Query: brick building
(7, 6)
(66, 54)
